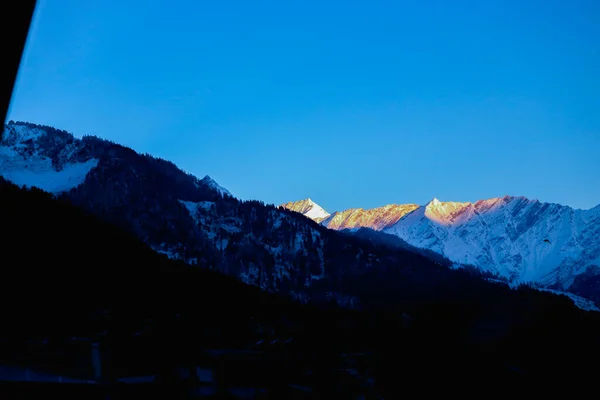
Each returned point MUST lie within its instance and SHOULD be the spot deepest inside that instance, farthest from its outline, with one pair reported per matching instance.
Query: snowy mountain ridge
(54, 161)
(309, 208)
(376, 218)
(517, 238)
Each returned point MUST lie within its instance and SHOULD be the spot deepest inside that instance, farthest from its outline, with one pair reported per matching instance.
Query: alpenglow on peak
(307, 207)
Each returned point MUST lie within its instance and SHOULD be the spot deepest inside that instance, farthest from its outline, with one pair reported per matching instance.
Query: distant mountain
(309, 208)
(516, 238)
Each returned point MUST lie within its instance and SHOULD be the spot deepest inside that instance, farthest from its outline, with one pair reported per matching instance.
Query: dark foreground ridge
(70, 279)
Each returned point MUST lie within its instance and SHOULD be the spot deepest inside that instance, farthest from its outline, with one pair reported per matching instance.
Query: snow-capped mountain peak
(210, 182)
(309, 208)
(354, 218)
(443, 212)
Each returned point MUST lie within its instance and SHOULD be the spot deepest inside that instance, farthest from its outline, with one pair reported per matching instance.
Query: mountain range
(518, 239)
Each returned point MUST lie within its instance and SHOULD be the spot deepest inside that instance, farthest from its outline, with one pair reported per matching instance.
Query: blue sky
(354, 104)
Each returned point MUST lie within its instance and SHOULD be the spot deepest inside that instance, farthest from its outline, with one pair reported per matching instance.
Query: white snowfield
(32, 169)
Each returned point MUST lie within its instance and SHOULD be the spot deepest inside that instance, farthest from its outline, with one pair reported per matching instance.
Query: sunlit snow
(309, 208)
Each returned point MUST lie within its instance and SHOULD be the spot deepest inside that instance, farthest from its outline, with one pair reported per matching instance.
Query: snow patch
(38, 171)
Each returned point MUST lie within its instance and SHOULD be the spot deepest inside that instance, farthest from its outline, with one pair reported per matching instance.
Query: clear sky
(351, 103)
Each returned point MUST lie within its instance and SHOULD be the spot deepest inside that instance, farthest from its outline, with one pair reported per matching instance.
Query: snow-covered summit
(307, 207)
(443, 212)
(210, 182)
